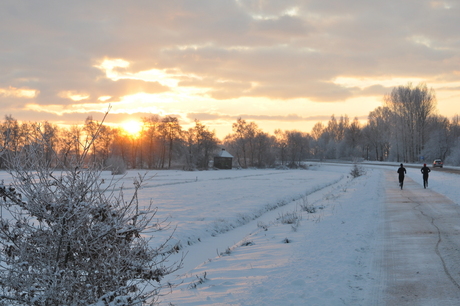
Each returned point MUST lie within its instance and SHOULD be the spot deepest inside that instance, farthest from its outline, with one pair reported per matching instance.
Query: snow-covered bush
(286, 240)
(292, 217)
(357, 171)
(305, 206)
(67, 240)
(200, 280)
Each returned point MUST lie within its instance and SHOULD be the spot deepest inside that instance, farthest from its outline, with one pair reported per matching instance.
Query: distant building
(223, 160)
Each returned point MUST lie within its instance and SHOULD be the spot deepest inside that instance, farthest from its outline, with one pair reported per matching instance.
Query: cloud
(287, 118)
(375, 90)
(124, 87)
(25, 93)
(225, 49)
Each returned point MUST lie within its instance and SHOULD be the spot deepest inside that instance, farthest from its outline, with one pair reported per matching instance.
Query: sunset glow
(133, 128)
(261, 60)
(18, 92)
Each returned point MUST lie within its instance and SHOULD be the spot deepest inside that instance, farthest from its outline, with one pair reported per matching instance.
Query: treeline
(406, 128)
(162, 144)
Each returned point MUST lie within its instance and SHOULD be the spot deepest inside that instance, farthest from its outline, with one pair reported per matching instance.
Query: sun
(132, 127)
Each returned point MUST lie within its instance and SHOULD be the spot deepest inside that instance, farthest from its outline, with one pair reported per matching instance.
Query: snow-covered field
(325, 261)
(238, 250)
(240, 253)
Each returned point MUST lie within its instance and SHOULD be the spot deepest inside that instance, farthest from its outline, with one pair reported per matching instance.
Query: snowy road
(421, 265)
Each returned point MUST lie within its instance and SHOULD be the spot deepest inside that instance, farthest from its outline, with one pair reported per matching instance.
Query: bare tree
(169, 131)
(296, 146)
(264, 150)
(206, 143)
(378, 133)
(336, 129)
(352, 141)
(11, 134)
(150, 138)
(49, 134)
(239, 142)
(199, 145)
(316, 132)
(251, 131)
(282, 144)
(90, 130)
(246, 143)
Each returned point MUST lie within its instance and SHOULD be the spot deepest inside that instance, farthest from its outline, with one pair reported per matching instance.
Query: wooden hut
(223, 160)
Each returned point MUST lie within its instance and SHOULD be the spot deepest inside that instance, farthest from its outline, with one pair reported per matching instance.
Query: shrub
(305, 206)
(68, 241)
(357, 171)
(290, 218)
(200, 280)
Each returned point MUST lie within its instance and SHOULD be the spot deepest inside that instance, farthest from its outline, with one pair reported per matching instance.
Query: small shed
(223, 160)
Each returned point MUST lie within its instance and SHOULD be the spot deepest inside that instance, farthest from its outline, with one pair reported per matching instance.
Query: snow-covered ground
(238, 250)
(240, 253)
(325, 260)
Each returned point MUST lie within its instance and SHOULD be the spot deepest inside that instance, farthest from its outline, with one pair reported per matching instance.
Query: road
(445, 170)
(420, 262)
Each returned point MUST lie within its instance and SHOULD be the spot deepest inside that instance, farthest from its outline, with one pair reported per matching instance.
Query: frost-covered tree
(411, 108)
(439, 142)
(377, 133)
(68, 238)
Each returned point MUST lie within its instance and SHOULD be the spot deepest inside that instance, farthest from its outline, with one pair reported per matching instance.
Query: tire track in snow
(444, 265)
(209, 247)
(216, 227)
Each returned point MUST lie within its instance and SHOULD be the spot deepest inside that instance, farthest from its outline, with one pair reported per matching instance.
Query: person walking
(401, 171)
(425, 170)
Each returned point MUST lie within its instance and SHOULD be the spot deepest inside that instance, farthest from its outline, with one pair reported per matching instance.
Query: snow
(328, 260)
(224, 153)
(238, 252)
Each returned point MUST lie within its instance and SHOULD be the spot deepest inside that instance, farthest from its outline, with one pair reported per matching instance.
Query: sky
(282, 64)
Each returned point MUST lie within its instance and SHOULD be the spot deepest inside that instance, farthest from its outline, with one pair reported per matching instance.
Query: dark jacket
(425, 170)
(401, 172)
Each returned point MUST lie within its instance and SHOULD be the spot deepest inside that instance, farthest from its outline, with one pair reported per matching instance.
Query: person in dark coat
(425, 170)
(401, 171)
